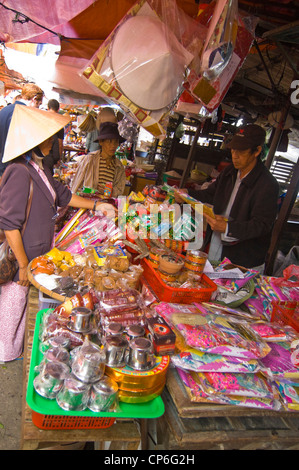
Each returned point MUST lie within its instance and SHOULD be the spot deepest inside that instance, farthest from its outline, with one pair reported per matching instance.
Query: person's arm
(15, 242)
(84, 203)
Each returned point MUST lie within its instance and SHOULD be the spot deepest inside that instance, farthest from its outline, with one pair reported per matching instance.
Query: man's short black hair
(53, 104)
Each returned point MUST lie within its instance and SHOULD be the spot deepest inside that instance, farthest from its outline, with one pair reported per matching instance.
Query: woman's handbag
(8, 262)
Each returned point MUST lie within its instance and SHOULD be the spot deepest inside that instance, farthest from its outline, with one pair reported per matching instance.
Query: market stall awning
(51, 19)
(21, 20)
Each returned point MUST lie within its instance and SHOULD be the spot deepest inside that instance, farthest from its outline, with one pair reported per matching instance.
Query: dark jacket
(252, 215)
(5, 119)
(14, 192)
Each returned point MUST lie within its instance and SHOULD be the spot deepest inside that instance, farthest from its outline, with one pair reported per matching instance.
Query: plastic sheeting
(48, 13)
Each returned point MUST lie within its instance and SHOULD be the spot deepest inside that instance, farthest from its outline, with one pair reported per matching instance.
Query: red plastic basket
(70, 422)
(286, 313)
(175, 295)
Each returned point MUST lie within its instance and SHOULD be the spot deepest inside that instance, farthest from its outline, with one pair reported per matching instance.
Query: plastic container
(48, 414)
(44, 301)
(286, 313)
(70, 422)
(176, 295)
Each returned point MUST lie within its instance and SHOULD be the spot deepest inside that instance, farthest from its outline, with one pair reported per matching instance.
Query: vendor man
(244, 197)
(101, 167)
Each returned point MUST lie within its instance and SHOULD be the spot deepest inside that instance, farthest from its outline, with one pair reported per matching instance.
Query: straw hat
(30, 127)
(88, 123)
(148, 62)
(106, 114)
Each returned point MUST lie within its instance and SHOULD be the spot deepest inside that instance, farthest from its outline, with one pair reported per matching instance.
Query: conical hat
(30, 127)
(148, 62)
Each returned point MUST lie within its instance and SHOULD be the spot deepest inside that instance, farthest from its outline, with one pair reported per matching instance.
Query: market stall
(124, 305)
(130, 326)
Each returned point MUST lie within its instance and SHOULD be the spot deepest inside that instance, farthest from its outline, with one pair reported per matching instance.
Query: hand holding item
(177, 196)
(217, 224)
(107, 209)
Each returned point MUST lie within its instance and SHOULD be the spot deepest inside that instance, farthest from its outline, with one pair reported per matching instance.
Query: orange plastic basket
(175, 295)
(286, 313)
(70, 422)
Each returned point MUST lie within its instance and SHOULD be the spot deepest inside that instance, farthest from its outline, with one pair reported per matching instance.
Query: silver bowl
(73, 395)
(116, 349)
(141, 355)
(88, 363)
(103, 395)
(80, 320)
(51, 379)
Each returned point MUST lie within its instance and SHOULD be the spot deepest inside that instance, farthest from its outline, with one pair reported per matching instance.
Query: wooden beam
(283, 216)
(190, 157)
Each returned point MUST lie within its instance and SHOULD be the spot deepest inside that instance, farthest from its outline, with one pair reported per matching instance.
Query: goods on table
(110, 342)
(221, 357)
(99, 268)
(99, 367)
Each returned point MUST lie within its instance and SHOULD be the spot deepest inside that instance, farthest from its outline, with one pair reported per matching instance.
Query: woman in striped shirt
(101, 167)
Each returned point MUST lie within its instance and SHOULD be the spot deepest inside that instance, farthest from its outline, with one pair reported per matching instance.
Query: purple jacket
(14, 192)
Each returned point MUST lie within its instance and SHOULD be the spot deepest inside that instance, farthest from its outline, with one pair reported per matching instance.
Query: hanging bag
(8, 262)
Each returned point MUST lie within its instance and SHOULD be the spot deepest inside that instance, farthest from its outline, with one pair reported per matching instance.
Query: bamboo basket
(43, 289)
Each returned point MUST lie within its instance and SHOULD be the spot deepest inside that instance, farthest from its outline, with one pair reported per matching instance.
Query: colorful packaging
(101, 253)
(162, 336)
(108, 189)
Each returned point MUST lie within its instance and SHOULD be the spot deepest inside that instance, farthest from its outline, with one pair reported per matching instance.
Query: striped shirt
(106, 173)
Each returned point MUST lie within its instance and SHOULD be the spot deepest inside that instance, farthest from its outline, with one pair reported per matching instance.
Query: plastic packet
(125, 306)
(204, 362)
(228, 38)
(273, 332)
(278, 363)
(218, 336)
(248, 385)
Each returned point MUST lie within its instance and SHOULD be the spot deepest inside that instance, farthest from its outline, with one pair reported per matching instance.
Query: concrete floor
(11, 374)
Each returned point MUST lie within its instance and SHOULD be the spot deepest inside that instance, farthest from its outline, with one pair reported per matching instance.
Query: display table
(123, 434)
(188, 426)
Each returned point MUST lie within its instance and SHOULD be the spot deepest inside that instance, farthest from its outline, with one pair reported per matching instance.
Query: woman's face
(109, 147)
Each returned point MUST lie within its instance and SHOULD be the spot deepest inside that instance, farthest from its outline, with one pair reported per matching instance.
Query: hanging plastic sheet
(143, 64)
(229, 38)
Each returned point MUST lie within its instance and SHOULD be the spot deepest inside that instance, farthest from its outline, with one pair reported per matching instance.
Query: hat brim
(30, 127)
(110, 136)
(239, 143)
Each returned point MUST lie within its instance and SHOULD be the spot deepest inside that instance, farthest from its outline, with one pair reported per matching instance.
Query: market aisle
(11, 376)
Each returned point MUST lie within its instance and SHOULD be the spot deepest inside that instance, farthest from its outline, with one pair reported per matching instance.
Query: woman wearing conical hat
(28, 140)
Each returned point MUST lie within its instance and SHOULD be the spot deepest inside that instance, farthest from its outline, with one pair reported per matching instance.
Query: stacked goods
(101, 268)
(98, 349)
(223, 358)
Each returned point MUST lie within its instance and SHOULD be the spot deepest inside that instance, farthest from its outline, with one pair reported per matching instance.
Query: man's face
(244, 160)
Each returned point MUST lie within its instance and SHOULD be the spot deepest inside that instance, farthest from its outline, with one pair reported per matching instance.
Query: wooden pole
(278, 133)
(190, 157)
(282, 219)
